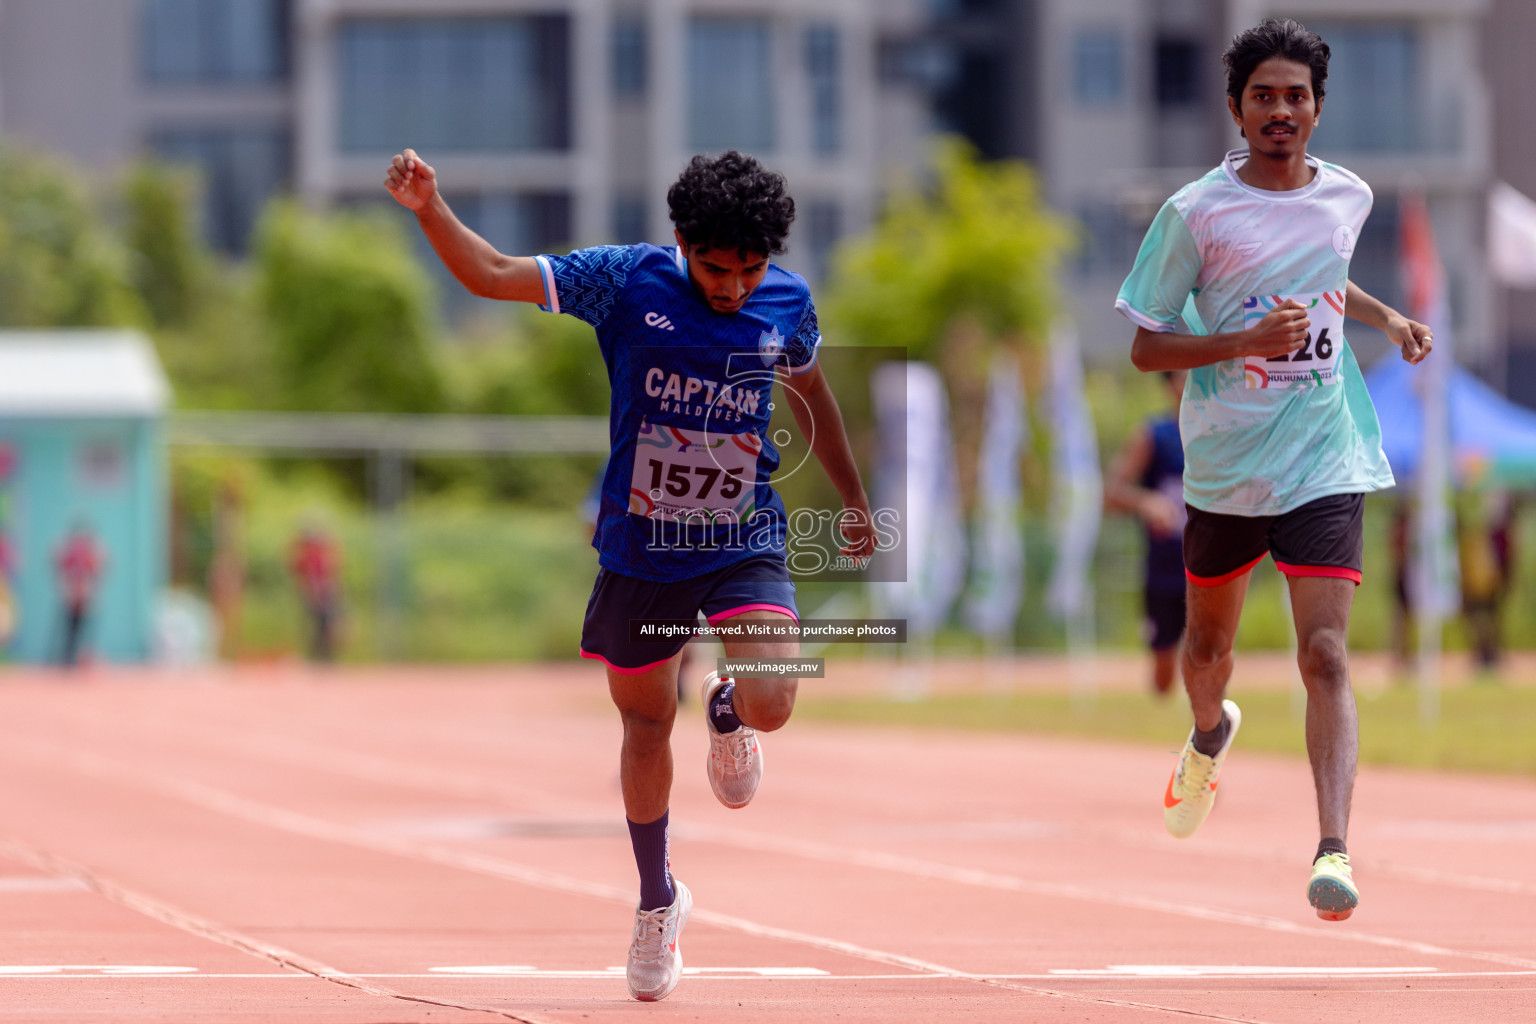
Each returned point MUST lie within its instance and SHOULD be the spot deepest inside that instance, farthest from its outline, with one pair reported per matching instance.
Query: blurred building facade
(1121, 102)
(554, 122)
(561, 122)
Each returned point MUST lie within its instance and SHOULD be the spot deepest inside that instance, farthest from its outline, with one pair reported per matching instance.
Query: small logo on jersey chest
(770, 345)
(1344, 241)
(658, 321)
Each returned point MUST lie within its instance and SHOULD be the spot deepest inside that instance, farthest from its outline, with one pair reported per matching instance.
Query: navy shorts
(759, 583)
(1165, 618)
(1325, 537)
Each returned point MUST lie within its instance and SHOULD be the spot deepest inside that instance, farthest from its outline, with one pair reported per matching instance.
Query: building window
(1373, 103)
(730, 84)
(1098, 68)
(201, 41)
(1176, 71)
(240, 170)
(629, 57)
(516, 222)
(466, 84)
(823, 230)
(821, 69)
(1108, 242)
(629, 216)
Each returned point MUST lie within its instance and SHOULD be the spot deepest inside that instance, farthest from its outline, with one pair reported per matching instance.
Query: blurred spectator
(316, 565)
(7, 594)
(1485, 542)
(1147, 480)
(80, 562)
(1402, 594)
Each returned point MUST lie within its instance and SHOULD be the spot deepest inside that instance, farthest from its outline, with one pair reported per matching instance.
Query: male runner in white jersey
(694, 338)
(1281, 441)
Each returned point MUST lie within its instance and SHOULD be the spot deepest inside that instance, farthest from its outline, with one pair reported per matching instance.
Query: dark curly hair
(1276, 37)
(731, 202)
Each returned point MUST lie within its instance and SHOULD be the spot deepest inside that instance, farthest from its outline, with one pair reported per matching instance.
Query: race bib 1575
(1316, 363)
(694, 475)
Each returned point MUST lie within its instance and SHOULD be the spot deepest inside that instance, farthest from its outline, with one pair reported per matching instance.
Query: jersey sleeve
(586, 283)
(1165, 273)
(800, 354)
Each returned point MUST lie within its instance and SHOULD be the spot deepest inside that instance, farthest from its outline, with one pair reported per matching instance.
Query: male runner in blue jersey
(694, 337)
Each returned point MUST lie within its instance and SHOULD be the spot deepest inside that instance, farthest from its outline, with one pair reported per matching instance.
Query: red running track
(448, 845)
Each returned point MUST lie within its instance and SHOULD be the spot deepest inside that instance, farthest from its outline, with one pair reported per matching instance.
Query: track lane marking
(900, 863)
(271, 816)
(165, 913)
(375, 768)
(608, 975)
(351, 763)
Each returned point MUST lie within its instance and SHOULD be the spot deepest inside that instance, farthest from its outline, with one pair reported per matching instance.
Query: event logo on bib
(770, 345)
(1344, 241)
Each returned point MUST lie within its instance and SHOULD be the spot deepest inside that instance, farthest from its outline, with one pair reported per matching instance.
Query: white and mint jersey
(1263, 436)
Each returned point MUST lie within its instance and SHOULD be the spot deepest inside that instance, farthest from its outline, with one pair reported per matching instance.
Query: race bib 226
(1316, 363)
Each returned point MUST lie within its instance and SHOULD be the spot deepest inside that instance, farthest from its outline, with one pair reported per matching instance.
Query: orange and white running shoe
(1191, 790)
(1331, 890)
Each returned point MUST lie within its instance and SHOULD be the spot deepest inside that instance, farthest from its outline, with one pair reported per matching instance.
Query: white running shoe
(655, 964)
(1192, 790)
(735, 765)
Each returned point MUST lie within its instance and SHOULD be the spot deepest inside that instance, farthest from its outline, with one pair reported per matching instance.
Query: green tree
(980, 246)
(60, 265)
(951, 273)
(168, 256)
(347, 306)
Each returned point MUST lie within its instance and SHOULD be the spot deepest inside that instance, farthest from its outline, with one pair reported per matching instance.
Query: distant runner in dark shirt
(1147, 481)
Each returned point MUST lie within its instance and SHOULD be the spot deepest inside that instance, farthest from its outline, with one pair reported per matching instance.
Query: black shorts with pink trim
(1324, 537)
(759, 583)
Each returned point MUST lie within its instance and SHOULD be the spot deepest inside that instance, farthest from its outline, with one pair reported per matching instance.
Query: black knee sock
(1329, 845)
(653, 858)
(1209, 743)
(722, 709)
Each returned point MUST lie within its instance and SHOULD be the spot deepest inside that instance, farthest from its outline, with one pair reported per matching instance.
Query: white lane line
(1235, 971)
(1385, 868)
(373, 768)
(1056, 975)
(83, 970)
(163, 912)
(853, 857)
(224, 802)
(40, 883)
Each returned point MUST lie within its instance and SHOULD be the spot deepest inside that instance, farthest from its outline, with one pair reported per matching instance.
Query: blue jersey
(1165, 474)
(686, 491)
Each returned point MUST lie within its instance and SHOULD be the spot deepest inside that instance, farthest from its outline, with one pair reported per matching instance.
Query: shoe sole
(686, 913)
(1332, 900)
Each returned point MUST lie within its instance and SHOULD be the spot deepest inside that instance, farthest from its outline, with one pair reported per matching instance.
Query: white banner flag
(1511, 236)
(997, 541)
(916, 471)
(1078, 489)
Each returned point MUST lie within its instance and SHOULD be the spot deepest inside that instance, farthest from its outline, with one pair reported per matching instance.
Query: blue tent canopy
(1493, 440)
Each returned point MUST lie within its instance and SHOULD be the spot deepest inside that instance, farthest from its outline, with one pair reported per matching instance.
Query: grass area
(1481, 728)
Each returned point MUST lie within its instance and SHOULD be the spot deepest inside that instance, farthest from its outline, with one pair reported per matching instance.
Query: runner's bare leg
(1322, 605)
(647, 704)
(763, 703)
(1209, 633)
